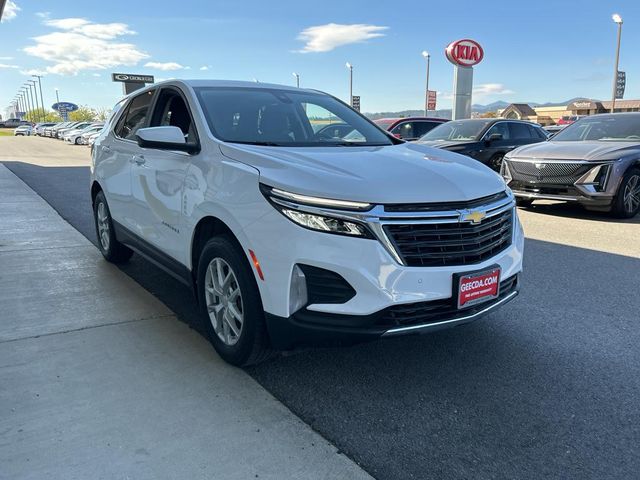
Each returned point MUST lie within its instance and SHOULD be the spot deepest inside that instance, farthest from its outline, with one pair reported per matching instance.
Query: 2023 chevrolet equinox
(289, 236)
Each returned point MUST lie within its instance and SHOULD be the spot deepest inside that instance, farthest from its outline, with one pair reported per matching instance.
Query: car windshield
(273, 117)
(605, 128)
(462, 130)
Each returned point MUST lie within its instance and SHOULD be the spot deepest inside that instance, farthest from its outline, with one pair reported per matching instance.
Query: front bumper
(382, 284)
(306, 327)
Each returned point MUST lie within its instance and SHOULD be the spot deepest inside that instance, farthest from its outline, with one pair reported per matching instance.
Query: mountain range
(446, 113)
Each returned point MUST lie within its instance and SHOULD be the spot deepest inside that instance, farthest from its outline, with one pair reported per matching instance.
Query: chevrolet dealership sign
(129, 77)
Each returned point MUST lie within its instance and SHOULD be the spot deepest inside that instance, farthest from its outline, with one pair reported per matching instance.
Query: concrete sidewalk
(98, 379)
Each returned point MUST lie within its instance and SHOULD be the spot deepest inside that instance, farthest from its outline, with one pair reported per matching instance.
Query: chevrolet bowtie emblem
(474, 217)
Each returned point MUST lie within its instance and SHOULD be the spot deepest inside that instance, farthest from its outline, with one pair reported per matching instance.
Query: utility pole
(618, 19)
(297, 75)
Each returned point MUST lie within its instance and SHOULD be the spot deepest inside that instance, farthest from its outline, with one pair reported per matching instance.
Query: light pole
(33, 83)
(427, 57)
(618, 19)
(350, 67)
(58, 101)
(26, 96)
(44, 114)
(297, 75)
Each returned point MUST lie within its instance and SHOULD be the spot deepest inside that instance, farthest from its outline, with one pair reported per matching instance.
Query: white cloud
(324, 38)
(10, 11)
(4, 65)
(486, 89)
(84, 45)
(165, 67)
(43, 14)
(95, 74)
(33, 71)
(204, 67)
(6, 58)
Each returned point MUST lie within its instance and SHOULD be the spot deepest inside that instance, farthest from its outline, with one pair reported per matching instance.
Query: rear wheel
(230, 304)
(626, 203)
(111, 249)
(77, 141)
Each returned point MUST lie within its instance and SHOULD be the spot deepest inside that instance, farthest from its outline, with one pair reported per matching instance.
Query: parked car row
(77, 133)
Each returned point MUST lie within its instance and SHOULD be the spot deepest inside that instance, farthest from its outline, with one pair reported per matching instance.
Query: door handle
(139, 159)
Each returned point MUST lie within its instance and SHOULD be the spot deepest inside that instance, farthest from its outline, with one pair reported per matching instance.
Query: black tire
(77, 141)
(524, 202)
(620, 208)
(252, 345)
(495, 162)
(112, 250)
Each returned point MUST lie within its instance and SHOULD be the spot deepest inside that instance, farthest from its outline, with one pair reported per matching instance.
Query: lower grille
(450, 244)
(438, 310)
(552, 173)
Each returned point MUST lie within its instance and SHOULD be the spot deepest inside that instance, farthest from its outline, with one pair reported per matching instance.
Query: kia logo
(465, 53)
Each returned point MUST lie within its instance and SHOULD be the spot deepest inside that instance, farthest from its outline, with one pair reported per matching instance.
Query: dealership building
(549, 115)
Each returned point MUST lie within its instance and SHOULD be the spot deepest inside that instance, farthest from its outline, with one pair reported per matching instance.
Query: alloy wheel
(224, 301)
(631, 195)
(103, 225)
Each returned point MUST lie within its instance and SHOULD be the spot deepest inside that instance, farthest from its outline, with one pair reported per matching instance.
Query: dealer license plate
(478, 287)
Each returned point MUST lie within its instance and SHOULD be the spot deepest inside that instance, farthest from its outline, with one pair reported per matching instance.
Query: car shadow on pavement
(546, 387)
(572, 210)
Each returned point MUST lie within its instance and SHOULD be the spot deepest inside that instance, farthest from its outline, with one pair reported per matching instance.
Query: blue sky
(534, 51)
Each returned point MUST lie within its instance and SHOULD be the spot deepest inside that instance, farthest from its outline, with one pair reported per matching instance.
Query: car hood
(404, 173)
(446, 144)
(587, 150)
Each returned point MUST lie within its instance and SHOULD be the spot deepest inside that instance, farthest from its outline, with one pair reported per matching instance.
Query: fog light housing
(595, 179)
(298, 296)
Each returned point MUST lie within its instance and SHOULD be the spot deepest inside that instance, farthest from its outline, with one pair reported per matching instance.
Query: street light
(34, 83)
(26, 96)
(297, 75)
(44, 112)
(617, 19)
(427, 57)
(350, 67)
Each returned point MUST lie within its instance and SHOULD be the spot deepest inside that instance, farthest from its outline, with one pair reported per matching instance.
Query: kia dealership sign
(464, 53)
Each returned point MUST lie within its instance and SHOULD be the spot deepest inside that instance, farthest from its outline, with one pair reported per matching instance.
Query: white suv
(290, 234)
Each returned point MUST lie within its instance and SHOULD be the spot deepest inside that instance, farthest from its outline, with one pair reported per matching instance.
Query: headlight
(596, 177)
(307, 212)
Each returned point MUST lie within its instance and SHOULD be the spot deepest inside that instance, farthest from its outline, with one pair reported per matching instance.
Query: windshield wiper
(354, 144)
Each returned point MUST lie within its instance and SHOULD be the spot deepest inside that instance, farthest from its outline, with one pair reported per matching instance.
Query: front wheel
(230, 304)
(626, 203)
(495, 163)
(112, 250)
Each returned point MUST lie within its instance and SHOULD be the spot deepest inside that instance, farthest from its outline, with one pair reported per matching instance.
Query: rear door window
(519, 131)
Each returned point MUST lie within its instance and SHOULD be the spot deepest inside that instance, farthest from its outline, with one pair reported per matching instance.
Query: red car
(409, 128)
(568, 119)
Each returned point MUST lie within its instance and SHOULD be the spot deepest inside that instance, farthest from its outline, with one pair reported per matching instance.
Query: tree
(489, 115)
(83, 114)
(41, 115)
(102, 114)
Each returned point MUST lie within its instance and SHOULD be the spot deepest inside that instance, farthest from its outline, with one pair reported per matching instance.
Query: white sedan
(23, 131)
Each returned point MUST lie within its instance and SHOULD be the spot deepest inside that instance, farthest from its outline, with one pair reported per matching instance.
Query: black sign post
(132, 82)
(621, 83)
(356, 102)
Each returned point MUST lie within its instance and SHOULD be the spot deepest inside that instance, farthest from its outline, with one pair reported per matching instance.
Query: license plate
(478, 287)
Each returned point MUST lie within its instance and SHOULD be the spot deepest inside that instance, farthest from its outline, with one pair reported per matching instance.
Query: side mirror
(494, 137)
(164, 138)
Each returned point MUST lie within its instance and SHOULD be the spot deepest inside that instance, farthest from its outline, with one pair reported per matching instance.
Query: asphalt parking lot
(547, 387)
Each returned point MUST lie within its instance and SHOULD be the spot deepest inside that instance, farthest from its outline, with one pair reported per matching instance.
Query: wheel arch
(95, 189)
